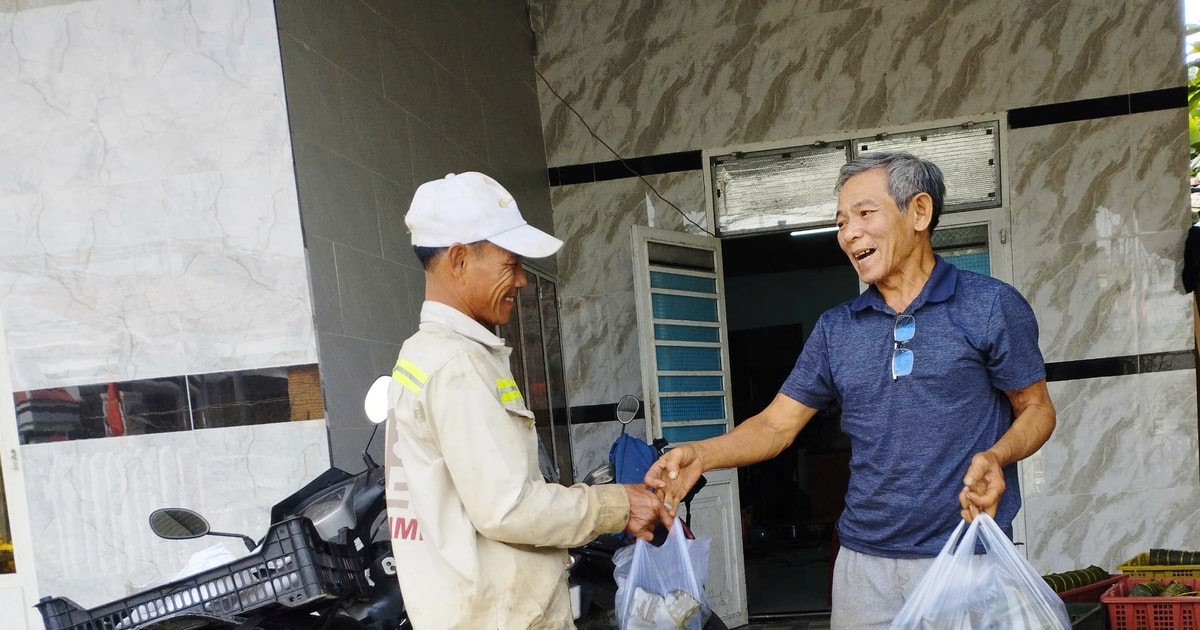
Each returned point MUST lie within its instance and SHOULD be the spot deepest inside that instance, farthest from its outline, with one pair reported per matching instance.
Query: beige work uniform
(479, 537)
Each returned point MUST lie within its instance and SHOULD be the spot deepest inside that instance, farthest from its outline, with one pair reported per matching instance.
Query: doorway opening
(777, 285)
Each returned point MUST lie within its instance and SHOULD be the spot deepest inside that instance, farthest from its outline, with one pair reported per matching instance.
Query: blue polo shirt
(913, 438)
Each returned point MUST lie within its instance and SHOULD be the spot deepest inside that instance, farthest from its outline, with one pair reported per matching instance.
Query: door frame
(717, 507)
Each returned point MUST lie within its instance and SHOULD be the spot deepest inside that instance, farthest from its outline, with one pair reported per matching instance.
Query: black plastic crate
(293, 569)
(1087, 616)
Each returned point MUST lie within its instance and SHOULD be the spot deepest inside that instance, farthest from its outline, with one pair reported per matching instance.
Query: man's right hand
(674, 474)
(646, 512)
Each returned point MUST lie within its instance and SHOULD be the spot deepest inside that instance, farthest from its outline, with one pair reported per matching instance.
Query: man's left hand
(646, 511)
(983, 486)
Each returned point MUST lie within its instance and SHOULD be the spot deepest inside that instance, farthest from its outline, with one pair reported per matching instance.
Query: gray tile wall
(383, 95)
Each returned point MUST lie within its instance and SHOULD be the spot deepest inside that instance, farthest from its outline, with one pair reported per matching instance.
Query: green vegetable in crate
(1168, 557)
(1151, 588)
(1067, 580)
(1177, 589)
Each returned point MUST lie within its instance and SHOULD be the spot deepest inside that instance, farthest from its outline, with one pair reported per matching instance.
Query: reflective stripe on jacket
(479, 537)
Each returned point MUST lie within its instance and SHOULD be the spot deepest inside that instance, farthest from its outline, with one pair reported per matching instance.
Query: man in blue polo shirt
(940, 382)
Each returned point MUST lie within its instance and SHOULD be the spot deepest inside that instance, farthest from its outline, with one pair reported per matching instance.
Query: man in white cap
(479, 536)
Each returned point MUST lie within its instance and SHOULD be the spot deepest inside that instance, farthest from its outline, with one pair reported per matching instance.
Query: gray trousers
(868, 591)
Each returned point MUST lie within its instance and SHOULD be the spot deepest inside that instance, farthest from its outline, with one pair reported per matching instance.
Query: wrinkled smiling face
(491, 284)
(871, 230)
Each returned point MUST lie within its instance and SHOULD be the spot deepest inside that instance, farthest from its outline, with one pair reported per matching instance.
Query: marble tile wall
(147, 193)
(1102, 203)
(151, 229)
(599, 323)
(94, 544)
(657, 77)
(1099, 218)
(1099, 207)
(1119, 475)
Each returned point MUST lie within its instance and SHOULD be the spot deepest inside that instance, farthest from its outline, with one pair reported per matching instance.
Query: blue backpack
(631, 458)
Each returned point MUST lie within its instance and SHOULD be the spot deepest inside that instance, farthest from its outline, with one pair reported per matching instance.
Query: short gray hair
(908, 176)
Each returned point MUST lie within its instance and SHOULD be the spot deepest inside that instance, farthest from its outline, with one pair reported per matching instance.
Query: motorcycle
(326, 563)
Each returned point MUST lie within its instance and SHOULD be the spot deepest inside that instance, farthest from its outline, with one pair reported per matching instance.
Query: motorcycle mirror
(376, 401)
(627, 408)
(178, 524)
(604, 473)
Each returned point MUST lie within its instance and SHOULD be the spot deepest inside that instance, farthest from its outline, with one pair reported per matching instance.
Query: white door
(682, 334)
(18, 588)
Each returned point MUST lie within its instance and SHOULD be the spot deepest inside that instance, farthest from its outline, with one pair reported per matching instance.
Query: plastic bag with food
(662, 587)
(994, 589)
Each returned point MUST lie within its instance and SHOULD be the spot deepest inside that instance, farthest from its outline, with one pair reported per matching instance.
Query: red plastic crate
(1090, 593)
(1150, 613)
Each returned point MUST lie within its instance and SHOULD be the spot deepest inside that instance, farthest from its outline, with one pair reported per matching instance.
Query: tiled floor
(787, 578)
(787, 584)
(795, 624)
(806, 622)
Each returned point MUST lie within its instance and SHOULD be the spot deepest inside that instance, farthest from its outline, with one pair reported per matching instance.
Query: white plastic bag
(996, 589)
(662, 587)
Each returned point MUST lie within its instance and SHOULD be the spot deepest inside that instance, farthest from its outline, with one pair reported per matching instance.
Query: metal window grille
(791, 188)
(969, 156)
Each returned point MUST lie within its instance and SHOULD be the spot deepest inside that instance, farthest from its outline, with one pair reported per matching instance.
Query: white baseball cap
(471, 207)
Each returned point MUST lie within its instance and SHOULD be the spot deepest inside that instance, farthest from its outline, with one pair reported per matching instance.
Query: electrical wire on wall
(617, 155)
